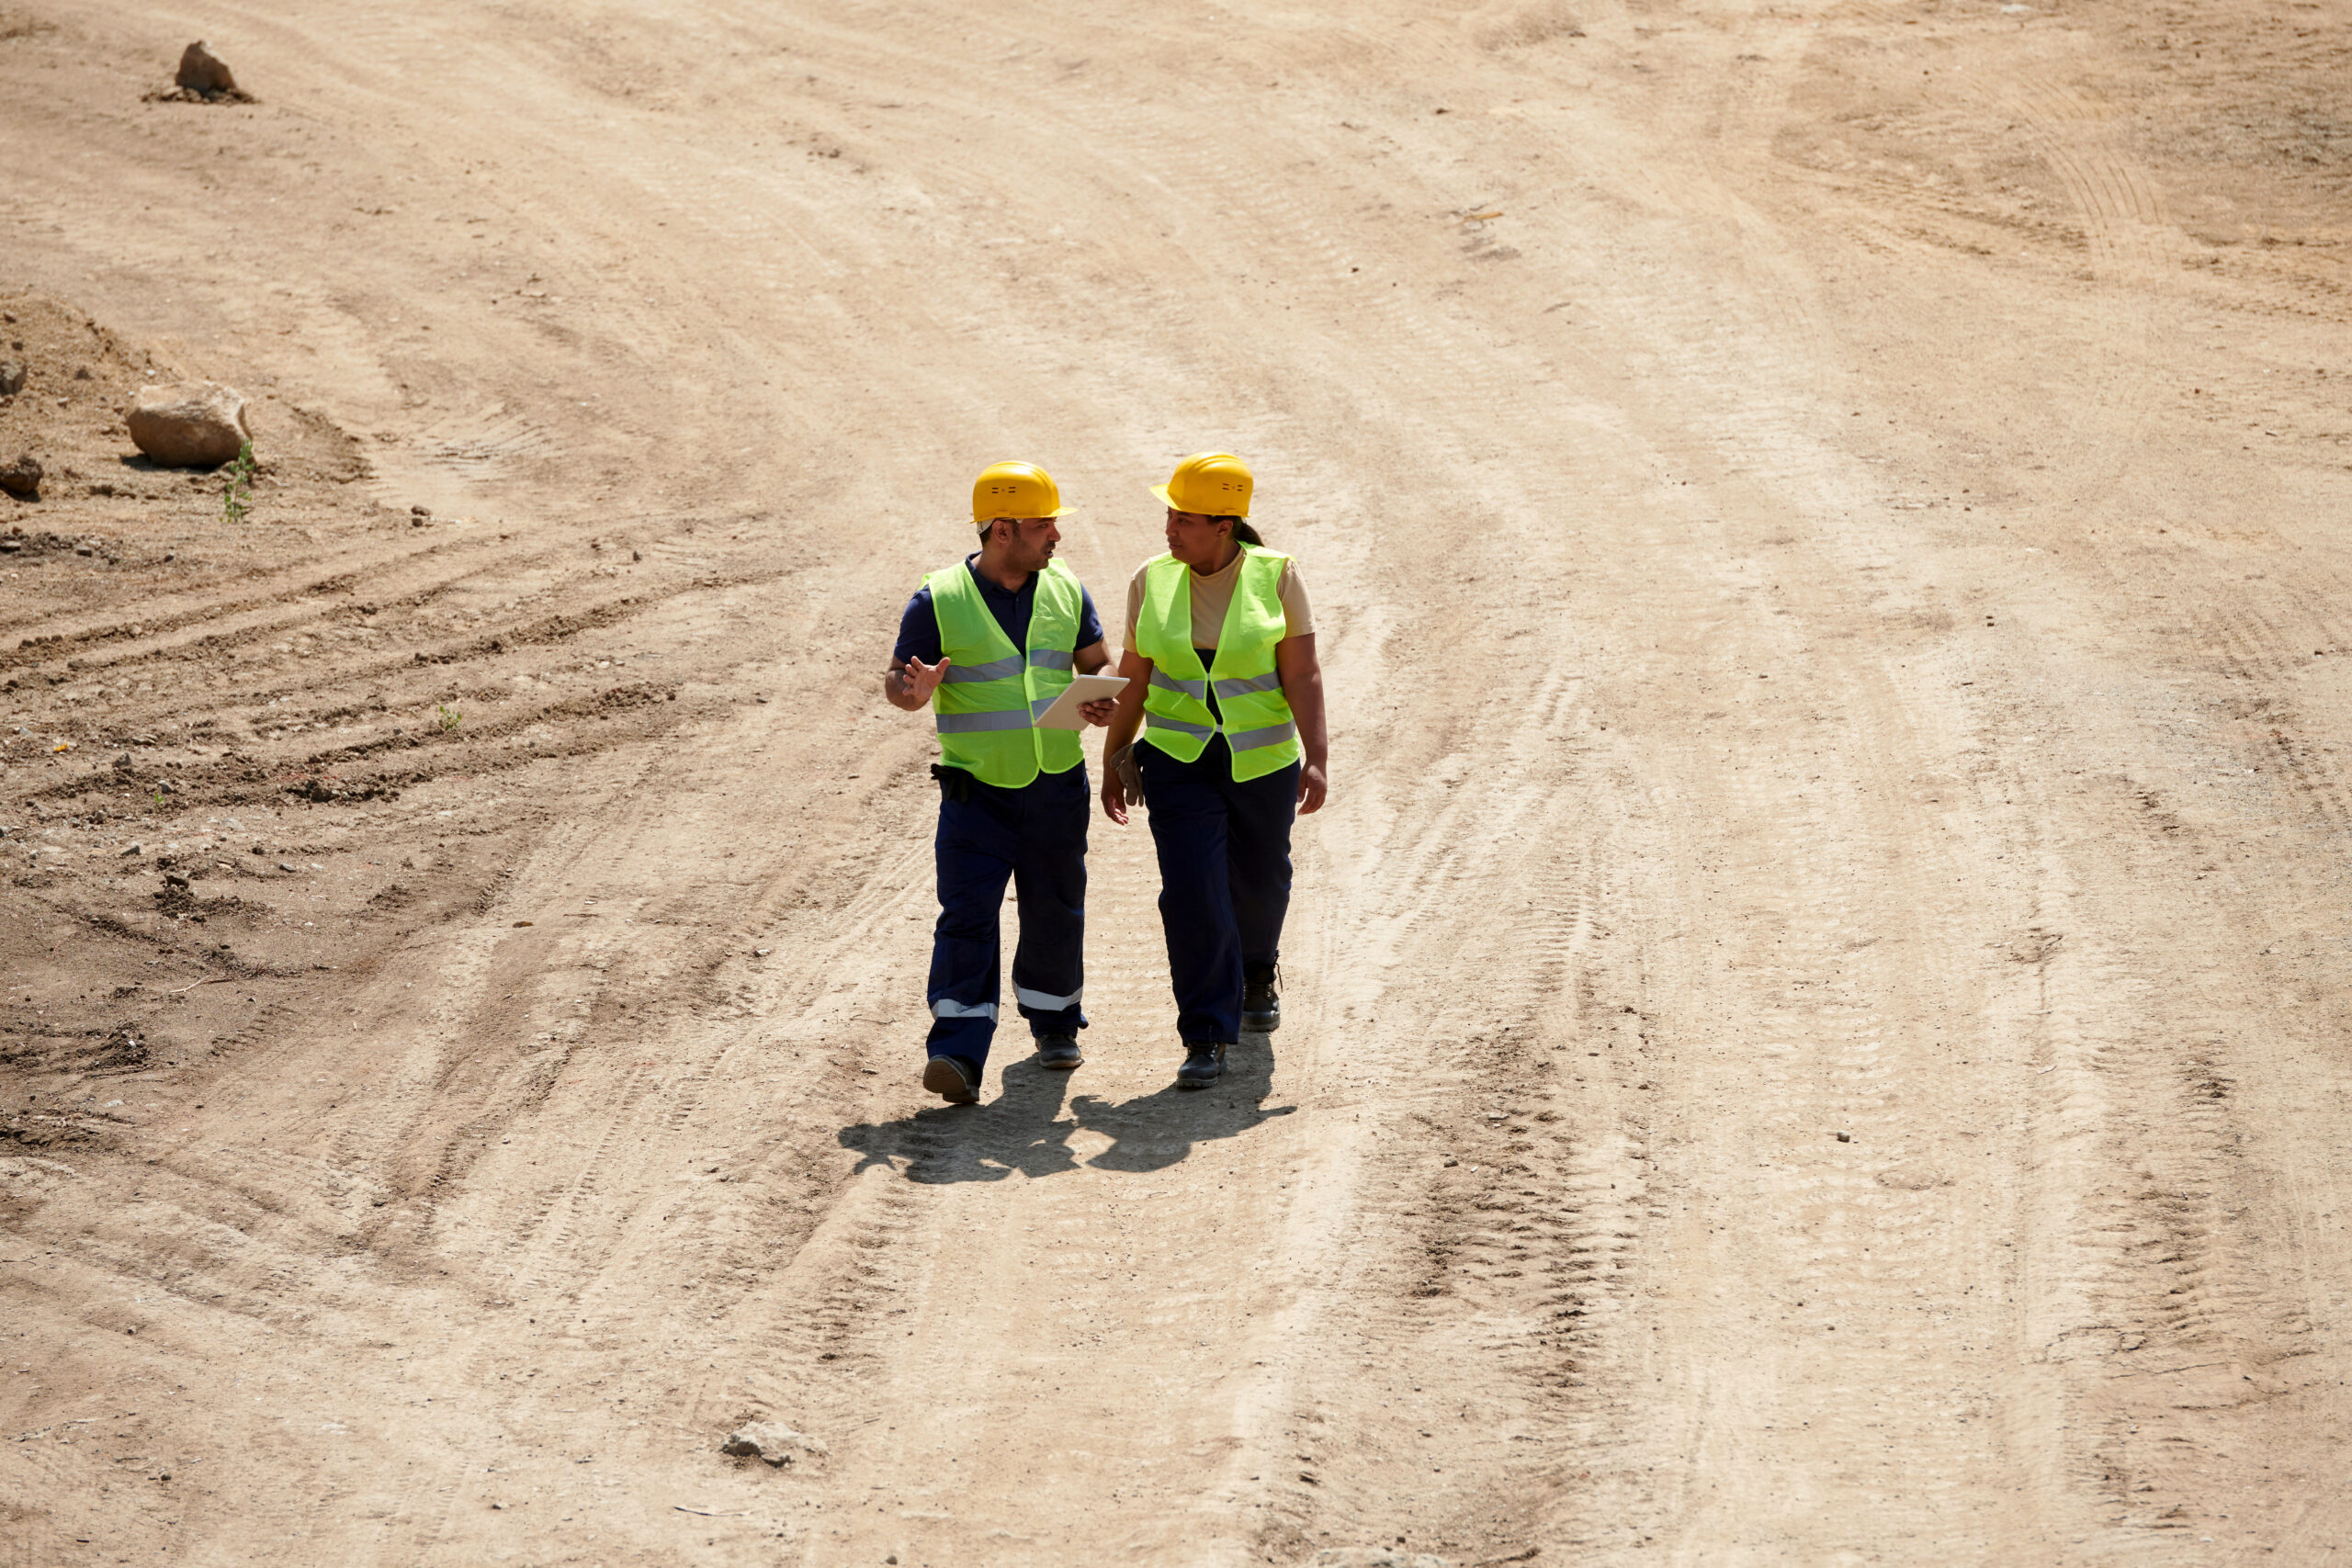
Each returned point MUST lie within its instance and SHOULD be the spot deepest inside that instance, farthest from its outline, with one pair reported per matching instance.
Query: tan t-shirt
(1212, 596)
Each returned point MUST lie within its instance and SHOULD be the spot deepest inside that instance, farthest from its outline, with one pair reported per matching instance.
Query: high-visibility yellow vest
(986, 708)
(1257, 724)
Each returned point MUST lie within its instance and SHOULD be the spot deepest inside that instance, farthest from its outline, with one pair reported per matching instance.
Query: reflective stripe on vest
(1196, 690)
(986, 708)
(1260, 733)
(994, 670)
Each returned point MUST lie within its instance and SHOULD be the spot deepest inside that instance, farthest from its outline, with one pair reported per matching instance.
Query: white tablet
(1064, 713)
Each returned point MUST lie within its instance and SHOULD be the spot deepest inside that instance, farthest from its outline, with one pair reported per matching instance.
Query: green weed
(237, 499)
(450, 718)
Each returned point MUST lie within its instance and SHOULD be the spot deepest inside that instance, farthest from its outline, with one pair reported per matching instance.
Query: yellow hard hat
(1214, 484)
(1015, 489)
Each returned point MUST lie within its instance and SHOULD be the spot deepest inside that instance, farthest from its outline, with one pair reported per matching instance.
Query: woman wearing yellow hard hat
(1231, 700)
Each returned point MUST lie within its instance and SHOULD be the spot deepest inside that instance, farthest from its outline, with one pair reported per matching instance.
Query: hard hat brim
(1056, 511)
(1168, 500)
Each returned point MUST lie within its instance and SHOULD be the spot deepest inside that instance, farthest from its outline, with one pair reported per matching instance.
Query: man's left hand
(1097, 713)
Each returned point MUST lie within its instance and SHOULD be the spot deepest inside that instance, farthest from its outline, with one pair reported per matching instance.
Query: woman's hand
(1302, 675)
(1127, 718)
(1312, 788)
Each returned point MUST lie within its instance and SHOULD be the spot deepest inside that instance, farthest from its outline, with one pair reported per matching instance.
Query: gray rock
(201, 71)
(12, 378)
(772, 1441)
(189, 425)
(22, 477)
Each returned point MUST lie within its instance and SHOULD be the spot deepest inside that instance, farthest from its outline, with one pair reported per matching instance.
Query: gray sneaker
(952, 1078)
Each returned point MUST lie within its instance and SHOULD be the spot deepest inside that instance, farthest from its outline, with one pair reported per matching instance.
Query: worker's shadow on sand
(1024, 1131)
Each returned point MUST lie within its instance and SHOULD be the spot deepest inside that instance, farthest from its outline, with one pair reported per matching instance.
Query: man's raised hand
(920, 679)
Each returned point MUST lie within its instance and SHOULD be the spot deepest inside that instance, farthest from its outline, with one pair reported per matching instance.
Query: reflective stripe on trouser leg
(973, 848)
(1049, 888)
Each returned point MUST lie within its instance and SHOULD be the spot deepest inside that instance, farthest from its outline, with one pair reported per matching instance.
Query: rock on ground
(12, 378)
(772, 1441)
(190, 424)
(201, 71)
(22, 477)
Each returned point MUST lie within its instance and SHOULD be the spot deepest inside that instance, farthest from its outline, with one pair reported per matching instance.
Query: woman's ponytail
(1243, 532)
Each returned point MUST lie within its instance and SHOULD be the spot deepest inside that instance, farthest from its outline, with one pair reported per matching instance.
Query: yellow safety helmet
(1214, 484)
(1015, 489)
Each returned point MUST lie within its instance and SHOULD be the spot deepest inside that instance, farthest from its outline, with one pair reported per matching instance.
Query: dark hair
(1243, 532)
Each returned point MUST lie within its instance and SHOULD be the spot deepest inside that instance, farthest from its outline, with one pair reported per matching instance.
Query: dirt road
(1817, 1011)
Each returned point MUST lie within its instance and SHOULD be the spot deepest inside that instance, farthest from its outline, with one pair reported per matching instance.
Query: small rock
(189, 425)
(122, 764)
(12, 378)
(201, 71)
(772, 1441)
(22, 477)
(135, 850)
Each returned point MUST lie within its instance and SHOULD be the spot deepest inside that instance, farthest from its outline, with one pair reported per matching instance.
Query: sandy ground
(1817, 1011)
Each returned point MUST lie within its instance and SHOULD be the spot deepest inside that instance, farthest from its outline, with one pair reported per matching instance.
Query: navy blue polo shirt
(919, 628)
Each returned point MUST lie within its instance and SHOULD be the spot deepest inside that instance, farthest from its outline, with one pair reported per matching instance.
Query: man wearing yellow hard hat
(1221, 663)
(988, 644)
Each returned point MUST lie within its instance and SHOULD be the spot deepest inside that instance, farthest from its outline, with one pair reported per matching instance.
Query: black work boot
(1261, 999)
(1204, 1065)
(1058, 1052)
(952, 1078)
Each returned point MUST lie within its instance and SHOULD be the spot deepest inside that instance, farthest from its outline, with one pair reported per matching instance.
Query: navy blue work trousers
(1037, 836)
(1224, 879)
